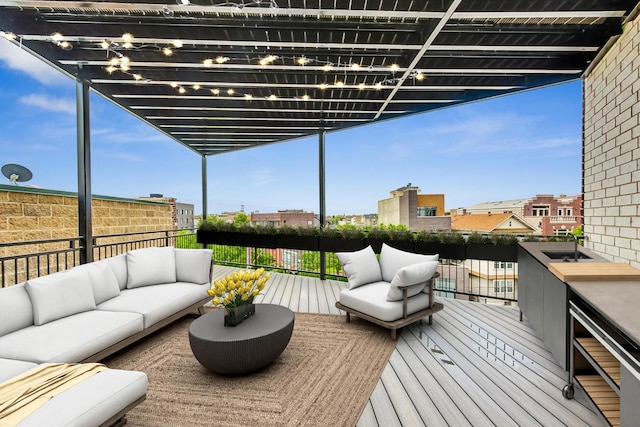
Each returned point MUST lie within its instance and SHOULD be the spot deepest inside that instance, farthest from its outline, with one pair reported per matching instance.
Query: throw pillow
(118, 265)
(104, 282)
(193, 265)
(151, 266)
(361, 267)
(414, 276)
(392, 260)
(60, 295)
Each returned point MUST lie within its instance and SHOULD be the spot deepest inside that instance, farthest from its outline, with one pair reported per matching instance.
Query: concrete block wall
(28, 214)
(611, 172)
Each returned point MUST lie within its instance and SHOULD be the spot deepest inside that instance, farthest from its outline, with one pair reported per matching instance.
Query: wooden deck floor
(477, 365)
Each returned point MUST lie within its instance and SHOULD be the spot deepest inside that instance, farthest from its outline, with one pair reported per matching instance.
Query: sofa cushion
(93, 401)
(414, 276)
(158, 302)
(60, 294)
(9, 368)
(103, 281)
(193, 265)
(361, 267)
(93, 331)
(392, 260)
(151, 266)
(16, 309)
(118, 265)
(371, 299)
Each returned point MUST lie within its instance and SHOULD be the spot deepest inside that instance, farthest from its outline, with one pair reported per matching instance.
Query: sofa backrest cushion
(151, 266)
(118, 265)
(392, 260)
(193, 265)
(60, 295)
(361, 267)
(414, 277)
(15, 306)
(104, 282)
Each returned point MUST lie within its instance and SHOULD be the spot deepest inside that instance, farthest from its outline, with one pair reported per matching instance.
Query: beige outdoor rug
(323, 378)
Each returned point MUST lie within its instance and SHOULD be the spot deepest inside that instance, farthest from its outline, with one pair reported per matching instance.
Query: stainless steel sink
(565, 255)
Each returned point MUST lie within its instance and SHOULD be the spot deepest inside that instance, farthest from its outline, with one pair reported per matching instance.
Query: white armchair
(394, 292)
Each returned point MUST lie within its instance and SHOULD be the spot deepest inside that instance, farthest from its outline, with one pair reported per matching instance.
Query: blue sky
(506, 148)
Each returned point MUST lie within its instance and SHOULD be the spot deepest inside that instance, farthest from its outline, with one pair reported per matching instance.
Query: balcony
(476, 365)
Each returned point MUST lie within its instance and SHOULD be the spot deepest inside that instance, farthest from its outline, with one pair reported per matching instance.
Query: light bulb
(173, 84)
(110, 69)
(248, 96)
(196, 87)
(355, 66)
(272, 97)
(221, 59)
(167, 51)
(215, 91)
(305, 97)
(339, 83)
(326, 67)
(208, 62)
(230, 91)
(105, 44)
(182, 90)
(57, 37)
(394, 67)
(127, 37)
(177, 43)
(137, 76)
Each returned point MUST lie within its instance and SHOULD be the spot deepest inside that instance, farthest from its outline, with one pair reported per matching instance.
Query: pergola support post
(322, 196)
(204, 188)
(85, 228)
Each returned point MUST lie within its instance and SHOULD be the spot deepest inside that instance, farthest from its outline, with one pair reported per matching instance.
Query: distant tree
(241, 219)
(310, 261)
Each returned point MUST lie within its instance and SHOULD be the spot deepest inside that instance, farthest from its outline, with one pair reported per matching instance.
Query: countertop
(617, 301)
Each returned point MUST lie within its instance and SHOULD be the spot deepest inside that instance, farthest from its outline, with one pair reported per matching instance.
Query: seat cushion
(392, 260)
(9, 368)
(157, 302)
(193, 265)
(151, 266)
(92, 402)
(371, 299)
(60, 294)
(414, 277)
(361, 267)
(70, 339)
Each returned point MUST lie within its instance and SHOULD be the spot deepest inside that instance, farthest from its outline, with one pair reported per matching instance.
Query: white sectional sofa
(91, 311)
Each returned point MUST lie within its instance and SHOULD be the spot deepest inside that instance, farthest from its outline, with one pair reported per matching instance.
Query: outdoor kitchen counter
(616, 301)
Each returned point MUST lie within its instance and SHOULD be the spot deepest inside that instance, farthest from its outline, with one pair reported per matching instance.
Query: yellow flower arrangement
(238, 288)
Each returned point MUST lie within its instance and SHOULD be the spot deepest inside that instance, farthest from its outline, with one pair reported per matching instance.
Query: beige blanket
(23, 394)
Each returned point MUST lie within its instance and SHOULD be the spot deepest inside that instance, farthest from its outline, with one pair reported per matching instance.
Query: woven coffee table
(251, 345)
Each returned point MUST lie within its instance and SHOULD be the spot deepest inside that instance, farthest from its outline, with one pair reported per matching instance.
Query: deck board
(476, 365)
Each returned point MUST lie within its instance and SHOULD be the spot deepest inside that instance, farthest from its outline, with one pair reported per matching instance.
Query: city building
(416, 211)
(182, 214)
(499, 223)
(549, 215)
(288, 217)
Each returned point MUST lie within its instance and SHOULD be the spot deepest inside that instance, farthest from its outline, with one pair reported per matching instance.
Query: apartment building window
(426, 211)
(443, 285)
(500, 264)
(503, 285)
(540, 210)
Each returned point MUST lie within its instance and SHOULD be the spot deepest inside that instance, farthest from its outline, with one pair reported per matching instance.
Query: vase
(235, 315)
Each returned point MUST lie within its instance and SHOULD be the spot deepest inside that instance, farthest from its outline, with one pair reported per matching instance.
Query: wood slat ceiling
(252, 72)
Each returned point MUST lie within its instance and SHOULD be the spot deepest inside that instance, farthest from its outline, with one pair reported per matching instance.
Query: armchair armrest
(431, 293)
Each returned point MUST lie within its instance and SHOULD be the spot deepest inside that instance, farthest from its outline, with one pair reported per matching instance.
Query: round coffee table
(251, 345)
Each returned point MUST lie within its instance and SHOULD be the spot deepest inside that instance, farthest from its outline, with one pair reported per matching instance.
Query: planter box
(507, 253)
(216, 237)
(403, 245)
(338, 244)
(307, 243)
(256, 240)
(444, 250)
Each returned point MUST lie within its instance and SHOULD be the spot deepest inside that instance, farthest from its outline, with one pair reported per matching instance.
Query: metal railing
(477, 280)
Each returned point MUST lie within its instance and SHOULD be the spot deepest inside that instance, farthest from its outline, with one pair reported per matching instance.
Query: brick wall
(612, 151)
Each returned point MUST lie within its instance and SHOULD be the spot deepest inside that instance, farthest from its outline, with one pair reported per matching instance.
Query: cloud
(49, 103)
(20, 60)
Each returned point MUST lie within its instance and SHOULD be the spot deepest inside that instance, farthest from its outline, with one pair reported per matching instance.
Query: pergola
(218, 76)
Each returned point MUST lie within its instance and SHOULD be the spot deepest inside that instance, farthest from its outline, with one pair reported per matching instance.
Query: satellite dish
(16, 173)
